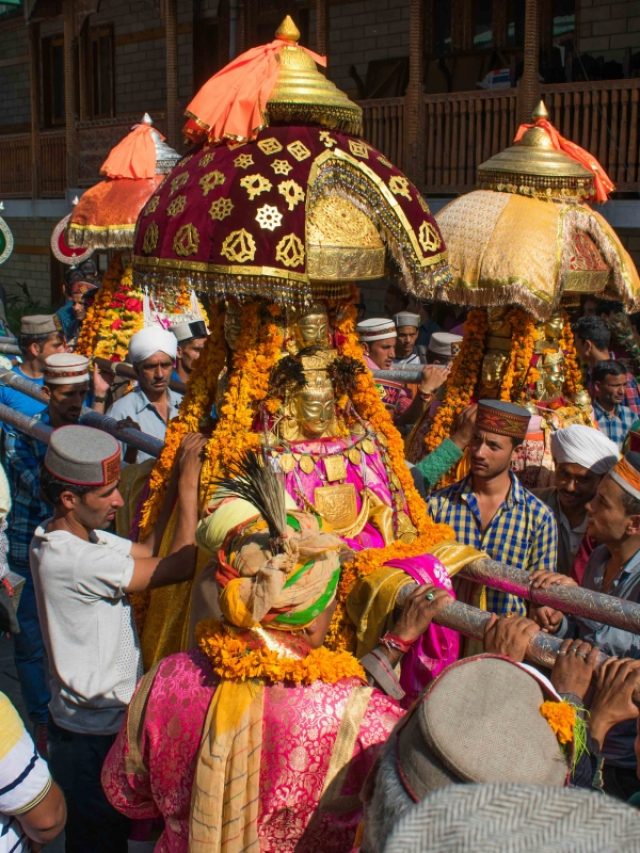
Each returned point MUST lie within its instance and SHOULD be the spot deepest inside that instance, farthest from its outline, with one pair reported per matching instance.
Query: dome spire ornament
(287, 31)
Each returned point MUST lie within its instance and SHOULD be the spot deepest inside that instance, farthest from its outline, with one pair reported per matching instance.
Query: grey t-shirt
(87, 625)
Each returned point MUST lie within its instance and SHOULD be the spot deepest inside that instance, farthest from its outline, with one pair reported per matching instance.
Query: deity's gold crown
(534, 167)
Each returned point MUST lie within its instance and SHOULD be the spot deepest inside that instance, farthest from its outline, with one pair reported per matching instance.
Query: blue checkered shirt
(615, 425)
(22, 459)
(522, 533)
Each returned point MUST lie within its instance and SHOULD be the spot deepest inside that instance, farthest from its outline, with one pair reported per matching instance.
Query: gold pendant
(307, 464)
(335, 468)
(368, 446)
(354, 455)
(337, 504)
(287, 462)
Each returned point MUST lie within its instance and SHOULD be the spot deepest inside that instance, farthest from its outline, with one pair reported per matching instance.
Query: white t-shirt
(87, 625)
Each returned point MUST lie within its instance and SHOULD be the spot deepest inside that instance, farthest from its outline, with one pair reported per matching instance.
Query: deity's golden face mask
(553, 327)
(315, 409)
(314, 327)
(493, 365)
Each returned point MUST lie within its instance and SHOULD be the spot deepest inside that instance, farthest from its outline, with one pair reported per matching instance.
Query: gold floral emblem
(428, 237)
(327, 140)
(152, 205)
(281, 167)
(292, 192)
(150, 240)
(179, 181)
(220, 209)
(239, 246)
(186, 241)
(382, 159)
(206, 159)
(177, 205)
(399, 185)
(298, 150)
(243, 161)
(268, 217)
(270, 145)
(186, 159)
(255, 185)
(423, 204)
(290, 251)
(359, 149)
(211, 180)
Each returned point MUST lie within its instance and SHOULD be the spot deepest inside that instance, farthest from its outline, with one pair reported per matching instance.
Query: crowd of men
(118, 757)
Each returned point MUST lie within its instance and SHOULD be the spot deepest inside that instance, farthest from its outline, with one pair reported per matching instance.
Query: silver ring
(430, 595)
(581, 655)
(562, 652)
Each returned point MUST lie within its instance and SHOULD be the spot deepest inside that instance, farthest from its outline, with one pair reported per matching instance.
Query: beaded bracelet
(392, 641)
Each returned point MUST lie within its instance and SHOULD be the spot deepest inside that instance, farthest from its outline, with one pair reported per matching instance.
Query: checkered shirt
(522, 533)
(615, 425)
(23, 457)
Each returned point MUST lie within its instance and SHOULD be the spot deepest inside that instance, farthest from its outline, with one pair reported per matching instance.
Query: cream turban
(149, 341)
(586, 446)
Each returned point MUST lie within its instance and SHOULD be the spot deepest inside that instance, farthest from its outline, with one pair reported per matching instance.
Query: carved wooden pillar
(322, 27)
(34, 102)
(171, 54)
(413, 160)
(71, 136)
(529, 85)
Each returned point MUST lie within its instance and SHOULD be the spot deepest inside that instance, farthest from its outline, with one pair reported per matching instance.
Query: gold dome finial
(287, 31)
(540, 112)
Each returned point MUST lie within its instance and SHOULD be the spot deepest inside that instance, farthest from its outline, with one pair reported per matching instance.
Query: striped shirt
(522, 534)
(24, 778)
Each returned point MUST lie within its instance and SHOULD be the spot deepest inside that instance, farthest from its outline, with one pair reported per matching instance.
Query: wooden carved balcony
(461, 130)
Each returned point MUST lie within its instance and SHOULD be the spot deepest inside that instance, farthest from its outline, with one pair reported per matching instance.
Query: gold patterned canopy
(511, 249)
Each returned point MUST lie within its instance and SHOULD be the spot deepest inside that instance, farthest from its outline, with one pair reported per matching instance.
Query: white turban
(586, 446)
(149, 341)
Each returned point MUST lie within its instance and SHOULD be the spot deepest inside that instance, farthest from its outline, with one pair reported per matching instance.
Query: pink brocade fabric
(300, 726)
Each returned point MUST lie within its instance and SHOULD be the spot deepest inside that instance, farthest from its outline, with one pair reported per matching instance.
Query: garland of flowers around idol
(258, 349)
(122, 319)
(572, 374)
(195, 407)
(96, 312)
(520, 371)
(369, 406)
(462, 380)
(236, 657)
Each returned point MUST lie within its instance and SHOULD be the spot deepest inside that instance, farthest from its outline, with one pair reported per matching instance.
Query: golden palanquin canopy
(280, 199)
(527, 238)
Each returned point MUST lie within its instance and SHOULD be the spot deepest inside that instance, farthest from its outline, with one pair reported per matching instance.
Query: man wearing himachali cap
(150, 406)
(613, 568)
(378, 337)
(191, 337)
(407, 325)
(491, 510)
(66, 383)
(82, 577)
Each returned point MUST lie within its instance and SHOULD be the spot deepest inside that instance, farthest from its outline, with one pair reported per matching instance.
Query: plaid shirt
(522, 533)
(615, 425)
(23, 457)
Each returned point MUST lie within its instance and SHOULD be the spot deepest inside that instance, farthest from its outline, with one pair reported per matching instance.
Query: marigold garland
(121, 320)
(95, 316)
(234, 659)
(572, 373)
(461, 383)
(259, 347)
(194, 409)
(520, 371)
